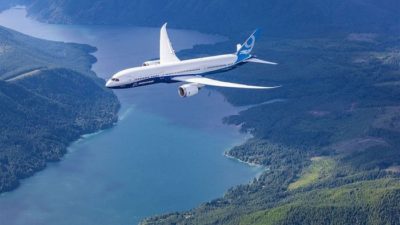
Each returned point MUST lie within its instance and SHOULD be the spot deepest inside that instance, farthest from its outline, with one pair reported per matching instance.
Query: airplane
(170, 69)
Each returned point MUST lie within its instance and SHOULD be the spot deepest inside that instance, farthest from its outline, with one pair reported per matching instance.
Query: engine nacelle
(188, 90)
(152, 62)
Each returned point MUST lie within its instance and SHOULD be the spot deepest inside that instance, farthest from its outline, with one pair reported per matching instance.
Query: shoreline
(227, 155)
(123, 112)
(74, 132)
(66, 150)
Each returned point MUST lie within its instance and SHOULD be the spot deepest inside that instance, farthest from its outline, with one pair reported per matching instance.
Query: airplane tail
(244, 51)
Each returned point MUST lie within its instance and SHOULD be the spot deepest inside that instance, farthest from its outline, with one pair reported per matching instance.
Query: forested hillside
(278, 17)
(329, 137)
(48, 98)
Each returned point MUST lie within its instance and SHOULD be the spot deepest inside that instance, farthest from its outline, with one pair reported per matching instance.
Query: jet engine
(188, 90)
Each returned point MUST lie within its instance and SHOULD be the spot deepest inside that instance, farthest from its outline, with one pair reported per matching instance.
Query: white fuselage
(151, 74)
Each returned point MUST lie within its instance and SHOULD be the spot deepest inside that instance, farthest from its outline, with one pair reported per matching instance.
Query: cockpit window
(115, 79)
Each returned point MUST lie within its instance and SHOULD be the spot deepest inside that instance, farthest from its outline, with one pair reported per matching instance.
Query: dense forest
(328, 138)
(49, 98)
(281, 17)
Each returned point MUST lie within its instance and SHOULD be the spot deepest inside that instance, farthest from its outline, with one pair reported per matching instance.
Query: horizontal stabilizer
(255, 60)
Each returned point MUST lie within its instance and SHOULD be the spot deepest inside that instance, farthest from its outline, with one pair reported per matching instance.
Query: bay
(165, 154)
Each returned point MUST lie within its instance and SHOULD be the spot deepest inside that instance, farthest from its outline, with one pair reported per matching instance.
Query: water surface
(164, 155)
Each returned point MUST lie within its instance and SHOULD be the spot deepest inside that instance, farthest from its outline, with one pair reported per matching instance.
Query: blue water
(165, 154)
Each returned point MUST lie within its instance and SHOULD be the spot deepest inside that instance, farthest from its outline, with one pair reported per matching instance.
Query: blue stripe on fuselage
(168, 79)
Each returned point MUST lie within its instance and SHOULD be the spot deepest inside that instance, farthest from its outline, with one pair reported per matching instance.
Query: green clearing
(361, 201)
(320, 168)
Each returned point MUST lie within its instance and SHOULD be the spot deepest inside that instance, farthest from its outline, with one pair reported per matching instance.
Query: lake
(165, 154)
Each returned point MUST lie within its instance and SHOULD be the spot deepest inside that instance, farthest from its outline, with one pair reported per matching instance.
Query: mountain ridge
(279, 18)
(338, 67)
(47, 101)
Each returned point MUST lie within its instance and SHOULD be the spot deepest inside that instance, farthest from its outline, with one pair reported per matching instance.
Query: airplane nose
(109, 84)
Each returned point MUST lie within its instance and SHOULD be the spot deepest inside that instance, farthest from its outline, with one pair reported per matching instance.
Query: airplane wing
(167, 53)
(211, 82)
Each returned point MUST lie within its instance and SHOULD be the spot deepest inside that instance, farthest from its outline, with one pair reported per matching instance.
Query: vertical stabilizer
(244, 52)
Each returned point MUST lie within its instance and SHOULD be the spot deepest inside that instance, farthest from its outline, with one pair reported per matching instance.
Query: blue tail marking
(245, 51)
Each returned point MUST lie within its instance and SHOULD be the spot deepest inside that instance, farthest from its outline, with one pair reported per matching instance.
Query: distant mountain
(7, 4)
(329, 137)
(21, 53)
(277, 17)
(49, 98)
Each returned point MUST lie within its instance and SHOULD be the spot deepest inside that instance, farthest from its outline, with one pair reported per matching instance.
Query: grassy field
(349, 204)
(320, 168)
